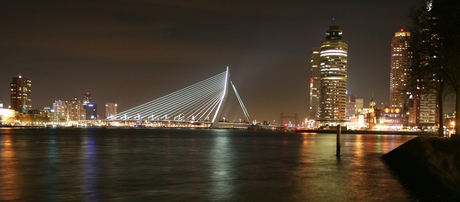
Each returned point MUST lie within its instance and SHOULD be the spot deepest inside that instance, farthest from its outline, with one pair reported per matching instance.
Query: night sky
(131, 52)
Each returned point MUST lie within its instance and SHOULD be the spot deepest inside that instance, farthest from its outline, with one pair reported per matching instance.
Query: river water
(194, 165)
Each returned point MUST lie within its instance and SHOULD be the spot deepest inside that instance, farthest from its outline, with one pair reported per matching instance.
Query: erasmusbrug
(197, 105)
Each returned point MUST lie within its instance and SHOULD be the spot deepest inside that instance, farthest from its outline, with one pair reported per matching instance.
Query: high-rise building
(426, 97)
(401, 66)
(91, 111)
(75, 110)
(90, 107)
(20, 94)
(110, 110)
(333, 75)
(60, 110)
(314, 83)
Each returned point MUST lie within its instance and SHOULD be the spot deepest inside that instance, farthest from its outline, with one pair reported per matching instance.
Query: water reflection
(319, 169)
(9, 176)
(221, 168)
(52, 169)
(201, 165)
(90, 172)
(356, 176)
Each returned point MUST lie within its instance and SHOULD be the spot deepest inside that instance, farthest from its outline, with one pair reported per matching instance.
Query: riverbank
(428, 167)
(396, 132)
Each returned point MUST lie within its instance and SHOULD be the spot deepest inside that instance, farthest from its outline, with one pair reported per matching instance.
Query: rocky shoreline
(428, 167)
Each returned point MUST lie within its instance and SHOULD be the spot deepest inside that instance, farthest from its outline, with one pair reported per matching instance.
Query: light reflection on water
(8, 167)
(221, 158)
(203, 165)
(90, 169)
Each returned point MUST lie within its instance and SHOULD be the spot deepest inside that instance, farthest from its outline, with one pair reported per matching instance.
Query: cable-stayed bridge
(199, 104)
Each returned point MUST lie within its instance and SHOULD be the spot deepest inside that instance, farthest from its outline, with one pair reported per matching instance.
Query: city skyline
(130, 53)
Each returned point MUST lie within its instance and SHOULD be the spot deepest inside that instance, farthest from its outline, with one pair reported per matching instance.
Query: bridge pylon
(217, 115)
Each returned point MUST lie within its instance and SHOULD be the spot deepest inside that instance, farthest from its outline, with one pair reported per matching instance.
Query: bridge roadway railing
(169, 123)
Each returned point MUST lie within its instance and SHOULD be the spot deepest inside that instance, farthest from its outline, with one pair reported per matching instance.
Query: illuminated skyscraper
(426, 98)
(400, 70)
(333, 75)
(314, 83)
(20, 94)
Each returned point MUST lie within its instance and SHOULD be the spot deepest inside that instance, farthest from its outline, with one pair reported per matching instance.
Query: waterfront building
(401, 66)
(75, 110)
(91, 111)
(110, 109)
(372, 114)
(20, 94)
(333, 76)
(359, 106)
(315, 83)
(351, 106)
(427, 110)
(34, 116)
(90, 107)
(389, 119)
(426, 96)
(7, 116)
(411, 118)
(60, 111)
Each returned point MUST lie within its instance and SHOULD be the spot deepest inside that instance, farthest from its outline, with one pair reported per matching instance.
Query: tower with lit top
(333, 76)
(400, 69)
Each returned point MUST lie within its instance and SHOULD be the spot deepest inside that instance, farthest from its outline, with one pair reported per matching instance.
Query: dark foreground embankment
(429, 168)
